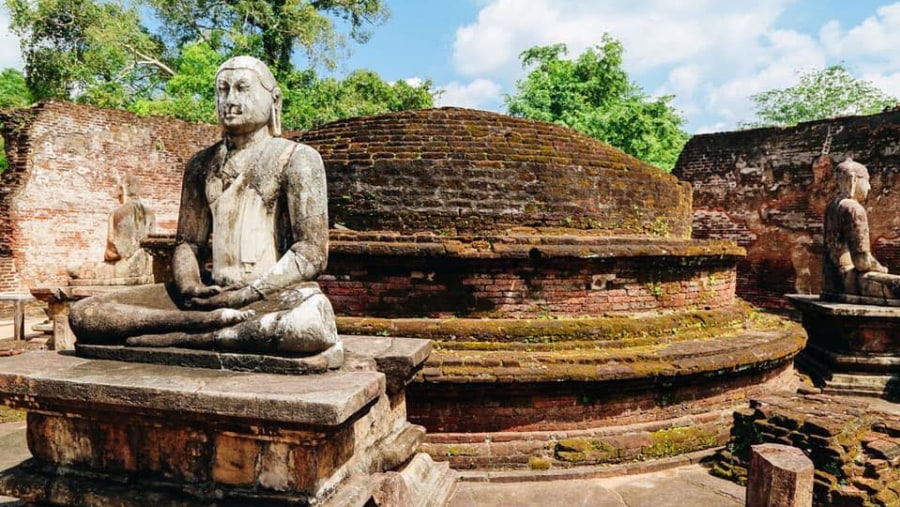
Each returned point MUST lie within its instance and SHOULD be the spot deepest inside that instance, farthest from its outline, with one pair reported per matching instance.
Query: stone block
(235, 460)
(780, 476)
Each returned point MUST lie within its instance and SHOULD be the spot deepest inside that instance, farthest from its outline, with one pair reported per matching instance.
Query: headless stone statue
(259, 202)
(849, 270)
(124, 259)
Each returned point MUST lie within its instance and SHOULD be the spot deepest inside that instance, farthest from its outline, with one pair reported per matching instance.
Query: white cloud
(477, 94)
(11, 55)
(711, 55)
(414, 81)
(878, 34)
(654, 32)
(888, 83)
(687, 45)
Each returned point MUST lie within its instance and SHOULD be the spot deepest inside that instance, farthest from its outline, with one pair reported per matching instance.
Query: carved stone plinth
(852, 348)
(113, 432)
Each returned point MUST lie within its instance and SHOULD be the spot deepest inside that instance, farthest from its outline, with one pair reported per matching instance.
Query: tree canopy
(819, 94)
(593, 94)
(14, 90)
(309, 100)
(269, 29)
(96, 52)
(99, 52)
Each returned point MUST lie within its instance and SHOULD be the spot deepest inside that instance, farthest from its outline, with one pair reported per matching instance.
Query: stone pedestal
(853, 348)
(113, 432)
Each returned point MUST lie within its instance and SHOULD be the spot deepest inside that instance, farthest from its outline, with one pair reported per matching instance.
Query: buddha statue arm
(858, 240)
(307, 209)
(194, 227)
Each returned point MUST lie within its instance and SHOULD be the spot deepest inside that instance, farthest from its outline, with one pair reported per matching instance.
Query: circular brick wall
(460, 171)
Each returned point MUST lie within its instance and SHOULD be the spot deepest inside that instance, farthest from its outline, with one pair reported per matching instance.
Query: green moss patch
(10, 415)
(676, 441)
(554, 334)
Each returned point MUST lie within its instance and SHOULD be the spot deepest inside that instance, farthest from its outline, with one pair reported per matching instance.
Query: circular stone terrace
(575, 321)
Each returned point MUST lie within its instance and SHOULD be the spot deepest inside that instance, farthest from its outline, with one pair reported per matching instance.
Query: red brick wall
(473, 407)
(64, 163)
(9, 278)
(384, 286)
(767, 189)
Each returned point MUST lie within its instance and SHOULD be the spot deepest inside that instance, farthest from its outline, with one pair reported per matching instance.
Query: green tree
(310, 101)
(13, 93)
(86, 50)
(820, 94)
(13, 89)
(593, 94)
(190, 93)
(270, 29)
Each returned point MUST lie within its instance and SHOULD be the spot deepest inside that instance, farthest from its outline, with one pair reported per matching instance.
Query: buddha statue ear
(275, 117)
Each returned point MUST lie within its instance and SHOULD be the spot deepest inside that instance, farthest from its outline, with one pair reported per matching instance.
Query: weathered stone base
(207, 359)
(419, 483)
(852, 375)
(853, 349)
(849, 328)
(116, 433)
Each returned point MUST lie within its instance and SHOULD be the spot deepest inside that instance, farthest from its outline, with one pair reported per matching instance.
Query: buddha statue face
(247, 97)
(861, 186)
(853, 179)
(242, 103)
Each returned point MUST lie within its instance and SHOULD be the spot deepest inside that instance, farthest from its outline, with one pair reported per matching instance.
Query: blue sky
(711, 54)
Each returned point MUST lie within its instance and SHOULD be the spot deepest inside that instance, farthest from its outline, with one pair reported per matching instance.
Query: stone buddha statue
(124, 259)
(256, 206)
(849, 268)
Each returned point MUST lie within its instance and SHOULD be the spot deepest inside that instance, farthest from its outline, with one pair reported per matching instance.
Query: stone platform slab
(104, 432)
(849, 328)
(321, 400)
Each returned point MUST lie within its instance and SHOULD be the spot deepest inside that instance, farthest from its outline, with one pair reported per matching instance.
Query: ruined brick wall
(64, 164)
(461, 171)
(854, 445)
(767, 189)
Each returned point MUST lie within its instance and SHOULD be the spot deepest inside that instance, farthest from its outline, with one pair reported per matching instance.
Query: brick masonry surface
(458, 171)
(434, 287)
(65, 161)
(767, 190)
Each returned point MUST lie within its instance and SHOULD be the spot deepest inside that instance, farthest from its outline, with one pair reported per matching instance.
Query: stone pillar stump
(779, 476)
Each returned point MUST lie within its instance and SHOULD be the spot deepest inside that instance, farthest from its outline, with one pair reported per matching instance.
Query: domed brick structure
(456, 171)
(575, 320)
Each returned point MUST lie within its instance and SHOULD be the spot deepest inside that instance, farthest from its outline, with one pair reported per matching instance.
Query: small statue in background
(849, 268)
(125, 262)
